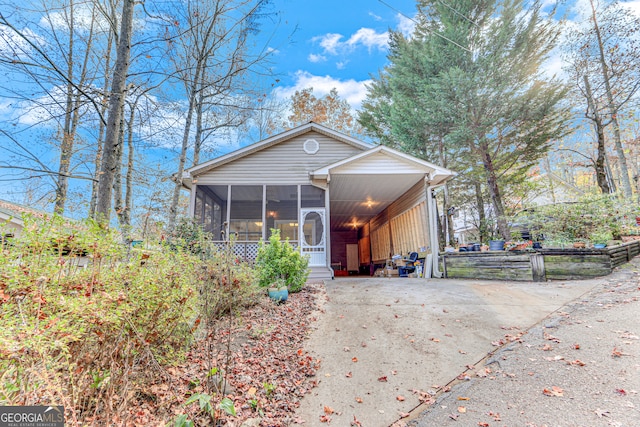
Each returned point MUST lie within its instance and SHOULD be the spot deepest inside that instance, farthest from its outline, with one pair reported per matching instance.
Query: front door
(312, 236)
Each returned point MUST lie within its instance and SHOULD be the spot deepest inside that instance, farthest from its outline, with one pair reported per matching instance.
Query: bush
(593, 215)
(278, 260)
(85, 337)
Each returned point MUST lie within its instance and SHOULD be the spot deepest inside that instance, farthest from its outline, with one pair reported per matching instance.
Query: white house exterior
(326, 192)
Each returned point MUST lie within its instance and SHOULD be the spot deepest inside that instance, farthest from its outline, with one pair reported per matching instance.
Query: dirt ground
(469, 353)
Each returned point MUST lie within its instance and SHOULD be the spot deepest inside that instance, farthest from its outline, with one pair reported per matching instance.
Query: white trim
(192, 200)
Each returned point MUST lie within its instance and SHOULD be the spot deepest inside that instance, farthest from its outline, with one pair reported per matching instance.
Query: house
(11, 223)
(346, 204)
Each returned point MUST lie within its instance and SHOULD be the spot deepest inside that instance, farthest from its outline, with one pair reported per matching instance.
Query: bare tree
(212, 57)
(61, 71)
(606, 50)
(116, 102)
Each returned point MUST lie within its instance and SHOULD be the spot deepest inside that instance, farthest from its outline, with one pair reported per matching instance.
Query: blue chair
(410, 265)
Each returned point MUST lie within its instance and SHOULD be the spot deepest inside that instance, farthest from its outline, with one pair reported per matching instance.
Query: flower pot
(278, 294)
(537, 245)
(579, 245)
(496, 245)
(599, 245)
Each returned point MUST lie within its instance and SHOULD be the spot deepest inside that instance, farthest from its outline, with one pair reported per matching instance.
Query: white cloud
(369, 38)
(353, 91)
(329, 42)
(375, 17)
(405, 25)
(316, 58)
(333, 44)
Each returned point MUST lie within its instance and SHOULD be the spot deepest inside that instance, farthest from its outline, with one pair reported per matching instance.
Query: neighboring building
(354, 204)
(11, 217)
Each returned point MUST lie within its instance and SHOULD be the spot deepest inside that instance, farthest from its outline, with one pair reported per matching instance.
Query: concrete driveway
(385, 342)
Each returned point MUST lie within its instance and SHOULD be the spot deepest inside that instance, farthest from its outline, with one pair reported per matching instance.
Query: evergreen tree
(466, 90)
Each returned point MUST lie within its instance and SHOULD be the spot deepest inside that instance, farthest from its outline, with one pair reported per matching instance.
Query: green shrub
(278, 260)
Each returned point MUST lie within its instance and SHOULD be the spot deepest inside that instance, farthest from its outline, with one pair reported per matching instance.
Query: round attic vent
(311, 146)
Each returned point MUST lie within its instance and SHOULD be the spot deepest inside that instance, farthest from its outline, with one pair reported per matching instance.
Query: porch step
(319, 273)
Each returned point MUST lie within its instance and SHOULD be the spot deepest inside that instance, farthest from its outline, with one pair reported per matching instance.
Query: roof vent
(311, 146)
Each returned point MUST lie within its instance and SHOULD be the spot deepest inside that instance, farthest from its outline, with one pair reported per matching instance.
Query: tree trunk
(66, 147)
(101, 129)
(197, 143)
(118, 88)
(117, 174)
(599, 164)
(482, 218)
(494, 191)
(175, 199)
(613, 110)
(128, 198)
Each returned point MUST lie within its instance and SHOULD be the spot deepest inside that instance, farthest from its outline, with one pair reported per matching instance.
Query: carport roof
(363, 185)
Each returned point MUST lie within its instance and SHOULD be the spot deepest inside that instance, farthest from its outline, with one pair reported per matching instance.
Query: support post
(537, 267)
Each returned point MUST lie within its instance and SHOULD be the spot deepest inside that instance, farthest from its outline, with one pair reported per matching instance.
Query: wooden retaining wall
(544, 264)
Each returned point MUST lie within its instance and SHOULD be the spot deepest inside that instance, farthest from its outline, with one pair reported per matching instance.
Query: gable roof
(437, 174)
(274, 140)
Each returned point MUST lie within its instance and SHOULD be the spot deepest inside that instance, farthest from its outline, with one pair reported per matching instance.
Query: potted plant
(278, 290)
(600, 239)
(279, 265)
(579, 244)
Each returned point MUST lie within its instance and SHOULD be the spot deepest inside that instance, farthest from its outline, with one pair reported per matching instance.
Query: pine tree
(466, 88)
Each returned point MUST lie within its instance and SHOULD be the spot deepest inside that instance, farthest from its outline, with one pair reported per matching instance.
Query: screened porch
(250, 212)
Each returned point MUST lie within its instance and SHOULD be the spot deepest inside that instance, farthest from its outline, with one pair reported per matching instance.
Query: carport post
(433, 230)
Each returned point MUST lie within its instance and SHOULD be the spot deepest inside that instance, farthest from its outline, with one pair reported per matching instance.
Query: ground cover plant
(177, 335)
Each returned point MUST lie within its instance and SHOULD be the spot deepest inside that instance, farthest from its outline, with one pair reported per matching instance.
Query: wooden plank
(489, 273)
(537, 268)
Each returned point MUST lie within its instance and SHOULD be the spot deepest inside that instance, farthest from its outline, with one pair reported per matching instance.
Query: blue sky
(337, 43)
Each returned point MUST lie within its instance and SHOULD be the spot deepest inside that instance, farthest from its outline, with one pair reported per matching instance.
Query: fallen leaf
(252, 391)
(328, 410)
(400, 398)
(462, 409)
(359, 399)
(462, 398)
(403, 414)
(355, 422)
(547, 347)
(348, 375)
(382, 379)
(325, 418)
(481, 424)
(453, 417)
(462, 352)
(555, 391)
(621, 392)
(577, 362)
(576, 346)
(434, 339)
(354, 359)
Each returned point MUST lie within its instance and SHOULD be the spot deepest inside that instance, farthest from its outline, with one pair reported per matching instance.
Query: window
(311, 197)
(282, 210)
(246, 212)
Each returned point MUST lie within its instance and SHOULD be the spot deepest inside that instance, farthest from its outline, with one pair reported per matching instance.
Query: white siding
(285, 163)
(402, 227)
(378, 164)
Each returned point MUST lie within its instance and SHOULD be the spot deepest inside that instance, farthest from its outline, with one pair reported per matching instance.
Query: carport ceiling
(356, 198)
